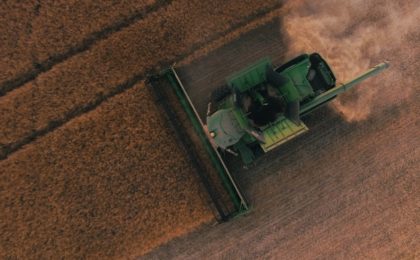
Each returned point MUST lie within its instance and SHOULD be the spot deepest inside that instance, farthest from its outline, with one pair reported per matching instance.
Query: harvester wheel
(220, 93)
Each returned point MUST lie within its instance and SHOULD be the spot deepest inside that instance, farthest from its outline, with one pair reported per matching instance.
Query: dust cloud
(354, 36)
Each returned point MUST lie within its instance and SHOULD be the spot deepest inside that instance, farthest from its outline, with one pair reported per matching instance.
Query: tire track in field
(10, 148)
(80, 47)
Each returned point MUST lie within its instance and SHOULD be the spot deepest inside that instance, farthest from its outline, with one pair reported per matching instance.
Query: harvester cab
(260, 107)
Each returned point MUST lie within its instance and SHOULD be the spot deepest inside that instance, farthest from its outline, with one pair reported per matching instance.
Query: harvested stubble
(33, 32)
(112, 64)
(111, 183)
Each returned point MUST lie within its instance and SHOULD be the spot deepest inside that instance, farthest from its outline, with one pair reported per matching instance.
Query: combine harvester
(258, 109)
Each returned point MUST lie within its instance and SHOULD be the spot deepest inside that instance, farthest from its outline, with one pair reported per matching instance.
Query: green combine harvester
(258, 109)
(261, 107)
